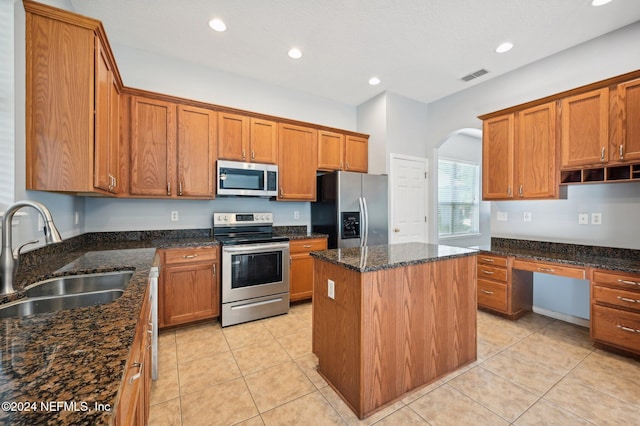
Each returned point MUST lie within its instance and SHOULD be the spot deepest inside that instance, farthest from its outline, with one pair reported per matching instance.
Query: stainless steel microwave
(251, 179)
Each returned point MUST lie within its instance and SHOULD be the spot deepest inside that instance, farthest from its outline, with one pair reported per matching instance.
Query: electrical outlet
(331, 289)
(296, 214)
(583, 218)
(76, 218)
(526, 216)
(596, 218)
(503, 216)
(174, 216)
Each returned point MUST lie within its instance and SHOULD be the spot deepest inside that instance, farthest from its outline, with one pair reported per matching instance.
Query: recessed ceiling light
(295, 53)
(217, 24)
(600, 2)
(504, 47)
(374, 81)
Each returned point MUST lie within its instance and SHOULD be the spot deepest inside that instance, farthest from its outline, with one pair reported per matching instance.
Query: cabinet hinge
(426, 175)
(425, 219)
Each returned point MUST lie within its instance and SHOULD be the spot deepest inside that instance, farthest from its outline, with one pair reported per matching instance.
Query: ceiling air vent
(473, 75)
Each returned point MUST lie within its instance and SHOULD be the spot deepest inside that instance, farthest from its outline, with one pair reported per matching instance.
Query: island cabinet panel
(391, 331)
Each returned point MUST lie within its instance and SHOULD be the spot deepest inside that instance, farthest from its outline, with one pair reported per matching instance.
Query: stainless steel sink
(74, 284)
(39, 305)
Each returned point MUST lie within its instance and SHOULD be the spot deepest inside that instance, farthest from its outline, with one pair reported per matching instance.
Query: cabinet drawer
(621, 280)
(616, 327)
(492, 273)
(200, 254)
(492, 295)
(550, 268)
(612, 296)
(492, 260)
(307, 245)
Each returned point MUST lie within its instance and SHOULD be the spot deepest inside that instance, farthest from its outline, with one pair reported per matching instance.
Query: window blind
(458, 198)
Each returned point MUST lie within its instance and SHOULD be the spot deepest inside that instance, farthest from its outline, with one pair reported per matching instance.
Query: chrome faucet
(9, 258)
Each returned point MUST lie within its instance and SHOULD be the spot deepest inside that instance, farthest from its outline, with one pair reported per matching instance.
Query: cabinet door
(103, 84)
(498, 139)
(585, 129)
(189, 293)
(264, 141)
(629, 103)
(297, 153)
(301, 276)
(356, 153)
(536, 152)
(196, 149)
(330, 150)
(233, 137)
(59, 105)
(153, 133)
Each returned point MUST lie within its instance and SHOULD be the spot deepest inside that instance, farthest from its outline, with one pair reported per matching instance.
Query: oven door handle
(252, 248)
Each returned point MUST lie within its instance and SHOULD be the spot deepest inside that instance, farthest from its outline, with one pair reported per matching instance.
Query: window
(458, 197)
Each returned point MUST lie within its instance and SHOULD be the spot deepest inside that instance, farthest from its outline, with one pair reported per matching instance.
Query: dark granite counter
(374, 258)
(77, 357)
(608, 258)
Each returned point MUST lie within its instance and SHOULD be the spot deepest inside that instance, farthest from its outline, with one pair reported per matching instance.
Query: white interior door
(409, 186)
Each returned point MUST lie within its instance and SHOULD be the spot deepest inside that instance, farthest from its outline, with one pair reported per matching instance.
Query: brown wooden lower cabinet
(132, 408)
(389, 331)
(301, 270)
(503, 289)
(615, 310)
(189, 288)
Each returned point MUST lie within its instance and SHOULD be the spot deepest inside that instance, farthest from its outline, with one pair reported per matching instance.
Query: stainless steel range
(255, 267)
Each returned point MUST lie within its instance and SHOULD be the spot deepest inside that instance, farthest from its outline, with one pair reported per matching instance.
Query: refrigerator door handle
(366, 221)
(362, 222)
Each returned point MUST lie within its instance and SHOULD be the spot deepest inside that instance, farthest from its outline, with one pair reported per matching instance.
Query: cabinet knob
(347, 165)
(213, 269)
(253, 155)
(136, 376)
(243, 154)
(180, 188)
(189, 256)
(168, 188)
(521, 191)
(602, 154)
(621, 152)
(509, 191)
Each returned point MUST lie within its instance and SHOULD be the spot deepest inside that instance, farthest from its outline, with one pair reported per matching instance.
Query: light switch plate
(502, 216)
(526, 216)
(583, 218)
(331, 289)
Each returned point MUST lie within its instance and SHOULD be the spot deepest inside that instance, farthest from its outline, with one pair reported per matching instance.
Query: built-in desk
(505, 283)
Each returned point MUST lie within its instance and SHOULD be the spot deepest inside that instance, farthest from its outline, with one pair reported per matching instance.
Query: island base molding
(391, 331)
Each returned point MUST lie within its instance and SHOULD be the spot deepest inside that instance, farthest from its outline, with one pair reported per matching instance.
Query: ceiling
(418, 48)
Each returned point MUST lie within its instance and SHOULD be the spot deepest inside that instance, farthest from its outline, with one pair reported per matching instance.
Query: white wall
(372, 120)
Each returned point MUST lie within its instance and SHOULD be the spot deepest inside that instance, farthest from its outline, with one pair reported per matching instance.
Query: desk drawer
(492, 294)
(616, 327)
(627, 281)
(486, 259)
(492, 273)
(613, 296)
(550, 268)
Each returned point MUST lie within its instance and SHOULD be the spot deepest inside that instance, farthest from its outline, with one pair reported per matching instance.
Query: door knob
(396, 229)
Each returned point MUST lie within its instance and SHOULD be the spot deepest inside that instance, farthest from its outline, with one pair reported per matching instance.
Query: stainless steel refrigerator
(352, 209)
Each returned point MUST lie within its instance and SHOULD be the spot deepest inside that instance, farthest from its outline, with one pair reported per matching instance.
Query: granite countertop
(608, 258)
(76, 356)
(374, 258)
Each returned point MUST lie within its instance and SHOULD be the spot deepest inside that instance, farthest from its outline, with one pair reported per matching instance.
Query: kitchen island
(389, 319)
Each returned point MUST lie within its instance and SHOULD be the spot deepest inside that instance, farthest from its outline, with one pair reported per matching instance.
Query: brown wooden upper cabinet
(297, 160)
(72, 100)
(339, 152)
(498, 141)
(519, 155)
(242, 138)
(627, 146)
(585, 129)
(172, 150)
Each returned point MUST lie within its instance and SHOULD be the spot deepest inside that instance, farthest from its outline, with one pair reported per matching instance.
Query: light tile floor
(536, 371)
